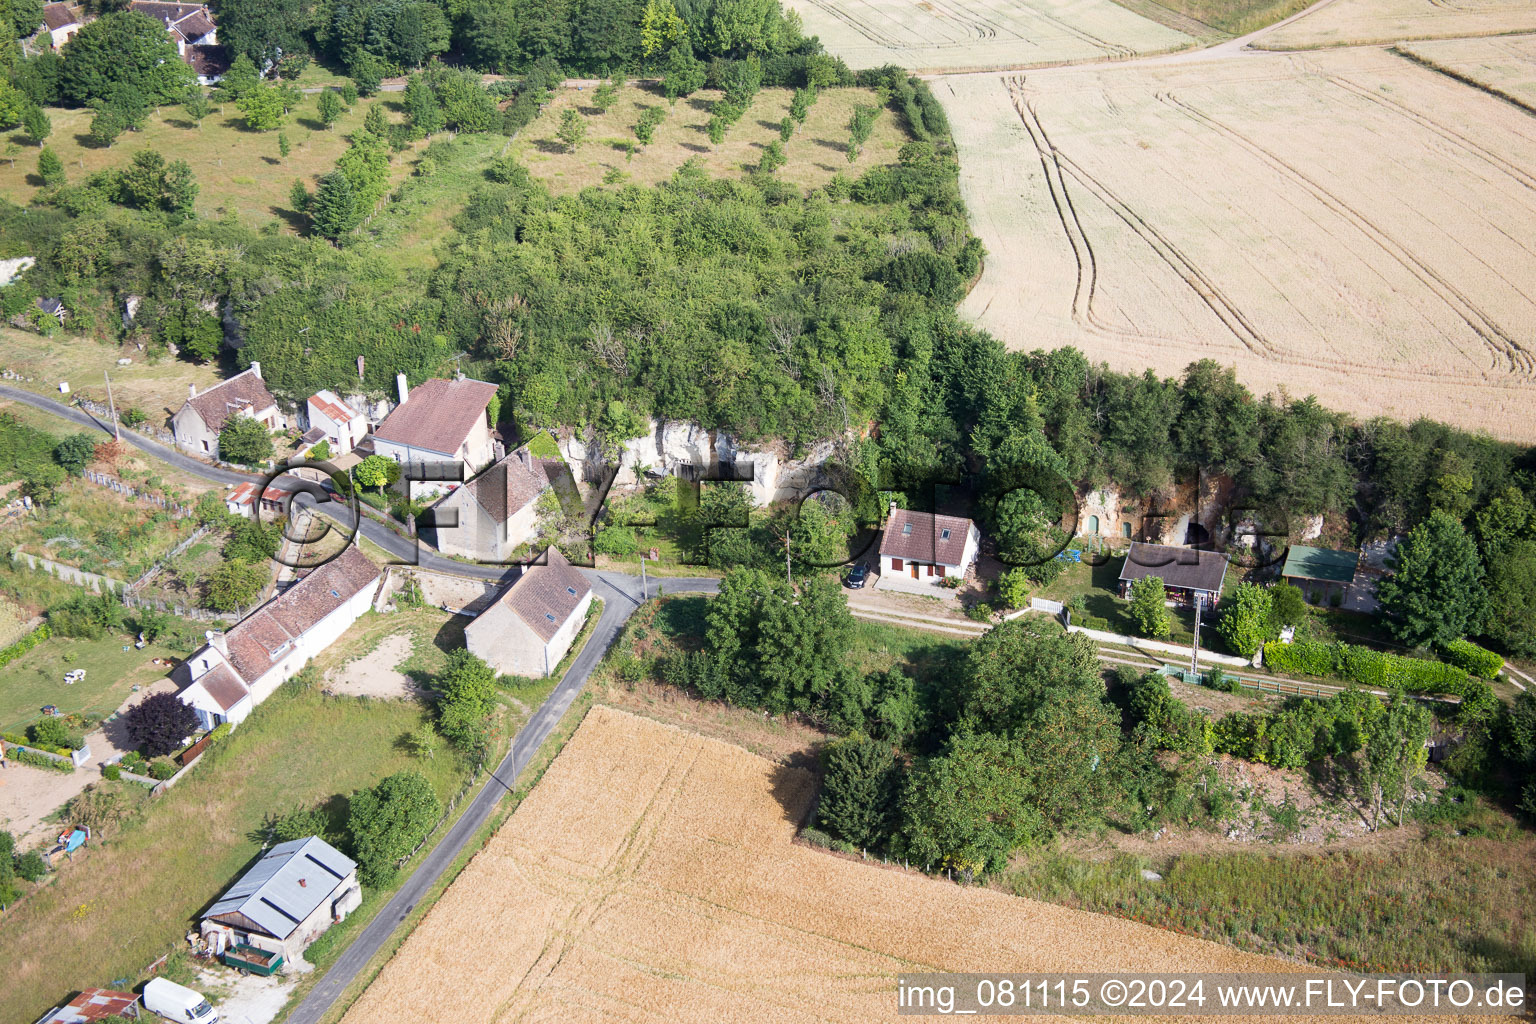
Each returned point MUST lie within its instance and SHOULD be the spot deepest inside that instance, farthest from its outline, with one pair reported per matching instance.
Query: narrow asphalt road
(621, 596)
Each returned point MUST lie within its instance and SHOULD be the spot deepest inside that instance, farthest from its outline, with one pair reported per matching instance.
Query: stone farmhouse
(530, 627)
(436, 424)
(494, 514)
(198, 422)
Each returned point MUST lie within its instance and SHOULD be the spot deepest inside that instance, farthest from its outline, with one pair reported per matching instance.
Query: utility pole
(643, 588)
(117, 428)
(1194, 652)
(787, 577)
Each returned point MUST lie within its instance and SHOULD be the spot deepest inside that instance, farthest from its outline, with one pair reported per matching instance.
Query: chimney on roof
(893, 506)
(256, 369)
(303, 883)
(527, 457)
(191, 390)
(402, 387)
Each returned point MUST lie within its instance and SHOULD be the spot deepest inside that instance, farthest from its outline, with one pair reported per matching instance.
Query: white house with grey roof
(295, 891)
(527, 630)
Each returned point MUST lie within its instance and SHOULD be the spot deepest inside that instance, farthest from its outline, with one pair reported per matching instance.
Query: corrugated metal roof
(286, 885)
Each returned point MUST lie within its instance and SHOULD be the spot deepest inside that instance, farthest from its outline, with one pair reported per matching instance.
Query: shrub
(1479, 661)
(25, 644)
(31, 866)
(53, 735)
(111, 772)
(1012, 588)
(158, 725)
(162, 768)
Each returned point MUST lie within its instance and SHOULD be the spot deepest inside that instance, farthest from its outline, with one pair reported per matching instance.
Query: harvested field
(651, 876)
(1348, 22)
(942, 35)
(1504, 66)
(1347, 224)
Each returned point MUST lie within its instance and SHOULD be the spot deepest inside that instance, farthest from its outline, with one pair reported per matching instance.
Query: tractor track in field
(1057, 166)
(1498, 342)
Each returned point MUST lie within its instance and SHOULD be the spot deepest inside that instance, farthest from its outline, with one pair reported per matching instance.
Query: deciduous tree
(159, 724)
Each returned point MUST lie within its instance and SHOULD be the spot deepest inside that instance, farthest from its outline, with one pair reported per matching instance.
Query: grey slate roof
(1181, 568)
(286, 885)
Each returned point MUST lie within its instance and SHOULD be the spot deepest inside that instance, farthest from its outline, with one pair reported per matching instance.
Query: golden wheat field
(1504, 65)
(650, 877)
(956, 35)
(1344, 223)
(1349, 22)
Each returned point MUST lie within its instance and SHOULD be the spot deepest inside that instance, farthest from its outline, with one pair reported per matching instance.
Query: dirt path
(375, 674)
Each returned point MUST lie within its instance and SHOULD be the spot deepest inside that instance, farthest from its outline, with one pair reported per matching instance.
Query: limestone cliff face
(683, 448)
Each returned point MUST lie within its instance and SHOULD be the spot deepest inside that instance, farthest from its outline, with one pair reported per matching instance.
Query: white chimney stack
(191, 390)
(256, 369)
(359, 369)
(402, 387)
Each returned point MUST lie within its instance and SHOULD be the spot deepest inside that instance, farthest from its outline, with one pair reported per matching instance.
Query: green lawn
(1099, 586)
(238, 170)
(1446, 903)
(135, 894)
(37, 678)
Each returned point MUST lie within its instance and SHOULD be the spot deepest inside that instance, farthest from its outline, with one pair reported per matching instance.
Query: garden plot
(1345, 22)
(961, 35)
(1347, 224)
(651, 875)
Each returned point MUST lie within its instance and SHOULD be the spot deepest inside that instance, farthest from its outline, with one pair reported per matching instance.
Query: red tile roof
(327, 403)
(208, 59)
(545, 595)
(925, 537)
(195, 26)
(438, 415)
(244, 494)
(167, 14)
(221, 683)
(58, 15)
(221, 401)
(262, 637)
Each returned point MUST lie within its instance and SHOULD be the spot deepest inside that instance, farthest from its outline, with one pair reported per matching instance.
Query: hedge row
(15, 739)
(1379, 670)
(25, 644)
(38, 760)
(1477, 660)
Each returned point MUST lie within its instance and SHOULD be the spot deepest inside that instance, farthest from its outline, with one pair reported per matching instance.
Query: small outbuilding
(527, 630)
(95, 1004)
(285, 901)
(1187, 573)
(1319, 572)
(200, 419)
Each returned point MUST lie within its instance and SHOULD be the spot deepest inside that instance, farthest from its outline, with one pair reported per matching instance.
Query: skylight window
(906, 529)
(571, 591)
(550, 617)
(943, 535)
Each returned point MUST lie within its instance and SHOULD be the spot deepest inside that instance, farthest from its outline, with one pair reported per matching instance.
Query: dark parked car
(856, 577)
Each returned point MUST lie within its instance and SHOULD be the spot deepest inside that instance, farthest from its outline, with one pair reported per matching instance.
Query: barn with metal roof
(287, 898)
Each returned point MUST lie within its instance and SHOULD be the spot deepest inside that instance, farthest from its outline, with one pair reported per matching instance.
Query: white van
(178, 1003)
